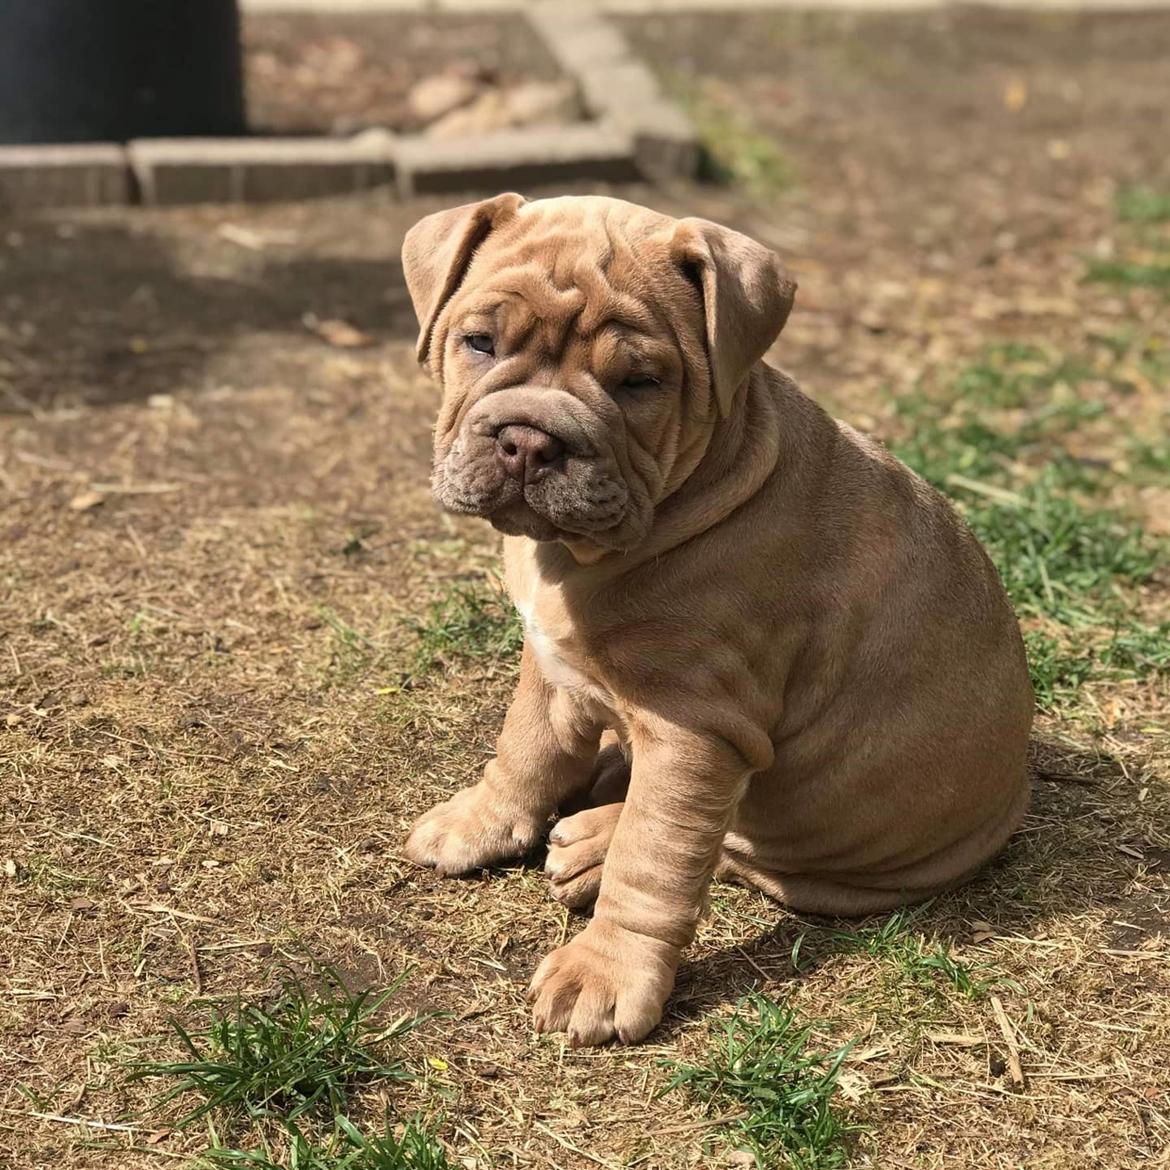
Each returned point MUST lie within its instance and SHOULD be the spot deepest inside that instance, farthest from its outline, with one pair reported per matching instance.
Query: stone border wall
(635, 131)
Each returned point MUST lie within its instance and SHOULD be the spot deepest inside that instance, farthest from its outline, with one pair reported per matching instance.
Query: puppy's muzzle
(528, 454)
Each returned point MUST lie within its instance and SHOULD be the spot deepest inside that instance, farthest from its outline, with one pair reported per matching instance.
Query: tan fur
(807, 659)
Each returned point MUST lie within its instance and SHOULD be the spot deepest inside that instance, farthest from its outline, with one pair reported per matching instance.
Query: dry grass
(216, 725)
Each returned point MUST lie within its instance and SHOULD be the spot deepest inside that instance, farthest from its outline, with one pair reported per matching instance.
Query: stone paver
(515, 158)
(85, 175)
(258, 170)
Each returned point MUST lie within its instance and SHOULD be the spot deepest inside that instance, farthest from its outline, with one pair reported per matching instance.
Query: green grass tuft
(914, 959)
(1149, 457)
(1128, 273)
(1141, 205)
(348, 1149)
(1143, 260)
(302, 1053)
(761, 1067)
(1058, 669)
(471, 620)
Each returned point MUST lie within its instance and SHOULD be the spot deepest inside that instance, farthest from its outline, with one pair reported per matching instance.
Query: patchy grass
(1059, 669)
(414, 1148)
(470, 620)
(1129, 273)
(351, 651)
(996, 442)
(762, 1071)
(733, 152)
(303, 1053)
(1143, 205)
(1143, 245)
(1149, 457)
(908, 954)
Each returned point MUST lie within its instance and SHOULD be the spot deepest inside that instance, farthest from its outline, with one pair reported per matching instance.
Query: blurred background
(240, 648)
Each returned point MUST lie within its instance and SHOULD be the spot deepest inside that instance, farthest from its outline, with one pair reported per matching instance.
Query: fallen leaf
(9, 867)
(1015, 94)
(82, 904)
(86, 500)
(982, 931)
(338, 333)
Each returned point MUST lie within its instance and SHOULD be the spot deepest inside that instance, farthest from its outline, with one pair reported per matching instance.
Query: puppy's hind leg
(579, 843)
(576, 854)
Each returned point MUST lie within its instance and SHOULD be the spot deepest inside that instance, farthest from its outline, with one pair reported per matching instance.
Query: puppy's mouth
(529, 482)
(520, 518)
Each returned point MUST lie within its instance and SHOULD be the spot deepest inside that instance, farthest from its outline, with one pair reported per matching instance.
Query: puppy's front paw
(471, 830)
(608, 982)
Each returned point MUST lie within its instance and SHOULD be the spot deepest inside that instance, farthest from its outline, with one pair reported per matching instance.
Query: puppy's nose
(528, 454)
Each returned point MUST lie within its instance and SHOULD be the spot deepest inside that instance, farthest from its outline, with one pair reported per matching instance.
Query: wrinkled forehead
(591, 264)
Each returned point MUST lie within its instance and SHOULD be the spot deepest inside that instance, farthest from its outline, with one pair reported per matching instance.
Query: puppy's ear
(437, 251)
(746, 296)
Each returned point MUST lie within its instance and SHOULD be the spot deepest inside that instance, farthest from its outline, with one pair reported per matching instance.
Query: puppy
(807, 669)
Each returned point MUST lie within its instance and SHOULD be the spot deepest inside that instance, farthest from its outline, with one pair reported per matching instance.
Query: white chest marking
(552, 664)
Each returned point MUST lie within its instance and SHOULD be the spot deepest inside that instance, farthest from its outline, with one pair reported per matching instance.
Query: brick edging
(618, 87)
(636, 132)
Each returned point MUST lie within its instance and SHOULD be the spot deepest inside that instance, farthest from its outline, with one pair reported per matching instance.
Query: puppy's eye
(481, 343)
(640, 382)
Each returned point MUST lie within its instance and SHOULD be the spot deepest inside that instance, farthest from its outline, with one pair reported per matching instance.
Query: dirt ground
(336, 73)
(215, 527)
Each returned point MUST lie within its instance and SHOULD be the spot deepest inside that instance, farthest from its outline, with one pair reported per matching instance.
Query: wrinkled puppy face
(583, 364)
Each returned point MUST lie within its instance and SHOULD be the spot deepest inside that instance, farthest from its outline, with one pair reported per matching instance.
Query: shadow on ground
(1065, 862)
(103, 313)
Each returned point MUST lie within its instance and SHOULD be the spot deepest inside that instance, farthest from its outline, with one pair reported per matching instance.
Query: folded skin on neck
(743, 453)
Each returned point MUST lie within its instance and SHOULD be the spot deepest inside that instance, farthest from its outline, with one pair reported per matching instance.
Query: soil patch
(338, 73)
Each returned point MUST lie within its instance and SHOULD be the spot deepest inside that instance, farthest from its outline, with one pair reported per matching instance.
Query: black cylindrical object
(110, 70)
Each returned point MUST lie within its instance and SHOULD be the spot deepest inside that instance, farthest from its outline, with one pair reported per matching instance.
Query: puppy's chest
(552, 639)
